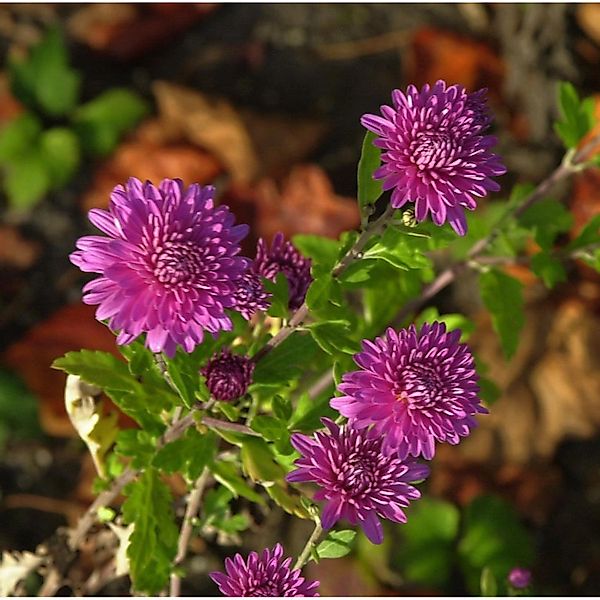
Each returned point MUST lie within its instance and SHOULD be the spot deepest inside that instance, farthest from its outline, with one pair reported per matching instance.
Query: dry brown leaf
(14, 567)
(439, 54)
(306, 203)
(71, 328)
(16, 251)
(588, 17)
(212, 124)
(128, 31)
(146, 159)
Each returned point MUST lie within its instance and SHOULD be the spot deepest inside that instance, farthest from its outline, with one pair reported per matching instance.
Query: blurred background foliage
(264, 101)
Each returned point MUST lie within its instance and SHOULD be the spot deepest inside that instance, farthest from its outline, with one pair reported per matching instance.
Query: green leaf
(101, 122)
(259, 463)
(153, 543)
(292, 504)
(400, 250)
(503, 297)
(577, 117)
(334, 337)
(279, 290)
(18, 136)
(226, 473)
(547, 219)
(269, 427)
(137, 444)
(282, 408)
(369, 189)
(426, 552)
(488, 585)
(18, 409)
(61, 153)
(589, 234)
(286, 361)
(308, 413)
(27, 180)
(142, 402)
(493, 537)
(548, 268)
(336, 544)
(188, 454)
(44, 79)
(323, 251)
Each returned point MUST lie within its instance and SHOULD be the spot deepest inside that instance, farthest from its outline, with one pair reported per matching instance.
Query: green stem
(310, 543)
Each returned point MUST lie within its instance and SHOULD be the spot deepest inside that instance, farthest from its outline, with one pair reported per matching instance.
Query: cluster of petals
(168, 265)
(413, 388)
(267, 574)
(357, 480)
(435, 151)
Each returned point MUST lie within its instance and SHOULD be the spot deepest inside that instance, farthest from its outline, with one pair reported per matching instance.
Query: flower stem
(310, 543)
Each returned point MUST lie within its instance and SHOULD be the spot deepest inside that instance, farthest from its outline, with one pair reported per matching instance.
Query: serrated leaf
(279, 290)
(282, 408)
(336, 544)
(548, 268)
(287, 361)
(503, 297)
(269, 427)
(576, 115)
(188, 455)
(323, 251)
(334, 337)
(139, 445)
(153, 543)
(101, 122)
(547, 219)
(259, 463)
(226, 474)
(589, 234)
(369, 189)
(144, 404)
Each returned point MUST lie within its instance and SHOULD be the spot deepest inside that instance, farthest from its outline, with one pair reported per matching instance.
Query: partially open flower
(228, 375)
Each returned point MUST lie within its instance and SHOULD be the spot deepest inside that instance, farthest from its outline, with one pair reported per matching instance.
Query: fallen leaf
(16, 251)
(72, 327)
(128, 31)
(212, 124)
(440, 54)
(147, 159)
(121, 560)
(250, 145)
(305, 203)
(10, 107)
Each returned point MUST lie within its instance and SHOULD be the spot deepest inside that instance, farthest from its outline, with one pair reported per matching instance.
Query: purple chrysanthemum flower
(169, 266)
(413, 387)
(250, 296)
(435, 151)
(284, 258)
(359, 481)
(228, 375)
(519, 577)
(264, 575)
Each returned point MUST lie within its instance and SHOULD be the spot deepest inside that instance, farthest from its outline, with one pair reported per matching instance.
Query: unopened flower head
(169, 263)
(228, 375)
(283, 257)
(435, 151)
(250, 295)
(261, 575)
(358, 481)
(519, 578)
(414, 388)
